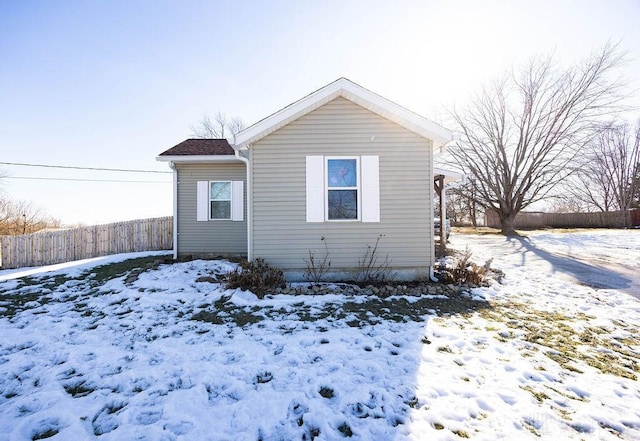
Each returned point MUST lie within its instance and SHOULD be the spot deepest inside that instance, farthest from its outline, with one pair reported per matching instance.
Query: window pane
(342, 173)
(220, 209)
(221, 190)
(343, 204)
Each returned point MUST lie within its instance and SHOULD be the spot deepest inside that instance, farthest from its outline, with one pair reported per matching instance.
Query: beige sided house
(342, 163)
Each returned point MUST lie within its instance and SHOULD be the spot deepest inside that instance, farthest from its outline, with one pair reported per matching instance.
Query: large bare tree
(607, 179)
(520, 134)
(218, 128)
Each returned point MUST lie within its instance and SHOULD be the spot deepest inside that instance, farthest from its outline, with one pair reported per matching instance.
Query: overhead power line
(85, 180)
(24, 164)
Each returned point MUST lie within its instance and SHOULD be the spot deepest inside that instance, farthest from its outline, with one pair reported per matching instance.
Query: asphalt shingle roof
(200, 147)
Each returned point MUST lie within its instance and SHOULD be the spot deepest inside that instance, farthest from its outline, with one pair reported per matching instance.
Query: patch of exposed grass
(326, 392)
(412, 402)
(530, 425)
(368, 311)
(132, 268)
(539, 396)
(79, 389)
(45, 434)
(481, 231)
(345, 430)
(566, 395)
(569, 344)
(264, 377)
(16, 302)
(33, 292)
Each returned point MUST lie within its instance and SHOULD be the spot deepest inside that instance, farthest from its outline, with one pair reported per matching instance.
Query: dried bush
(466, 271)
(256, 276)
(317, 268)
(371, 269)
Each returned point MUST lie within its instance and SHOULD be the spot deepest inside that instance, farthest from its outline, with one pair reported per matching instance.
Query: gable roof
(199, 147)
(358, 95)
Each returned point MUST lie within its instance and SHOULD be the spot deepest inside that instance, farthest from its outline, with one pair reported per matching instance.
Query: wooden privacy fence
(49, 247)
(611, 219)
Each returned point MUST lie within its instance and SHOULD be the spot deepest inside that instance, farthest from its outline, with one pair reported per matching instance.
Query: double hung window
(220, 200)
(342, 188)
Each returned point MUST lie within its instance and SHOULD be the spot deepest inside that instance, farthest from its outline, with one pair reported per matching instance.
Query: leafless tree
(20, 217)
(636, 194)
(520, 134)
(236, 125)
(566, 204)
(218, 128)
(607, 179)
(462, 205)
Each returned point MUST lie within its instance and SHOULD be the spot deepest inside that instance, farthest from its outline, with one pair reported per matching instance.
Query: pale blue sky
(114, 83)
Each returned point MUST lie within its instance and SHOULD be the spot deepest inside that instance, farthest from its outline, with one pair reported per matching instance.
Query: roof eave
(198, 158)
(449, 175)
(355, 93)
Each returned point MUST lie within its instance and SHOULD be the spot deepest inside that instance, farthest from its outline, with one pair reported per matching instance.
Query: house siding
(213, 237)
(281, 234)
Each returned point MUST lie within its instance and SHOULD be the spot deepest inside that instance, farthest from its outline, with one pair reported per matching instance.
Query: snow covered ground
(89, 351)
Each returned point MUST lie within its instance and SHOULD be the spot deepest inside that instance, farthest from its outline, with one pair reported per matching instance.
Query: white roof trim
(449, 176)
(355, 93)
(197, 158)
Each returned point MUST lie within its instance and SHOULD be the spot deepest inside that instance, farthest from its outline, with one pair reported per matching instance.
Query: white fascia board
(400, 115)
(286, 115)
(355, 93)
(178, 159)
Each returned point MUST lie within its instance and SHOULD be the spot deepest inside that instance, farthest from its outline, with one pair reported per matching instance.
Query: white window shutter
(237, 200)
(202, 201)
(315, 188)
(370, 181)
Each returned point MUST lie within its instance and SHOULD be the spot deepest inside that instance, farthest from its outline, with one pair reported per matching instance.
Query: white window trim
(358, 188)
(222, 200)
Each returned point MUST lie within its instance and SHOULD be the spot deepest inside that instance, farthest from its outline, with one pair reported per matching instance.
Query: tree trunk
(472, 212)
(508, 221)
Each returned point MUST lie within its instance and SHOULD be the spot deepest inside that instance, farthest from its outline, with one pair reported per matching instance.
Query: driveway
(602, 259)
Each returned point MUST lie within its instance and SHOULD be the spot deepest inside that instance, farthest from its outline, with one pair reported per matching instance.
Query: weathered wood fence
(49, 247)
(612, 219)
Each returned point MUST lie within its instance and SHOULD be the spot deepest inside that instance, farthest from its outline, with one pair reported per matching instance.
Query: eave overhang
(356, 94)
(198, 159)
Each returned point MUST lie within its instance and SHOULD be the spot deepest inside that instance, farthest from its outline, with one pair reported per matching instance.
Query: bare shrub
(317, 268)
(372, 269)
(256, 276)
(466, 271)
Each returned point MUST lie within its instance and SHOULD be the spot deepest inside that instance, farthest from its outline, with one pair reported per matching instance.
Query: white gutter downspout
(247, 163)
(432, 275)
(175, 209)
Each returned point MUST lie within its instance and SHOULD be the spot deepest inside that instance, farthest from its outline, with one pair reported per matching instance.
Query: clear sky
(112, 84)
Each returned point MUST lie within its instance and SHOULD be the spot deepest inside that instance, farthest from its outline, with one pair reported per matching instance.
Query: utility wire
(84, 168)
(85, 180)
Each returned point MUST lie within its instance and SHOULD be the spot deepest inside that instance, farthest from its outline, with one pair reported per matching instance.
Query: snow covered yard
(118, 350)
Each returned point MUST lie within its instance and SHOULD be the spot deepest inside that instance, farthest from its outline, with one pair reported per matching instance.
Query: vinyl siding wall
(281, 234)
(214, 237)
